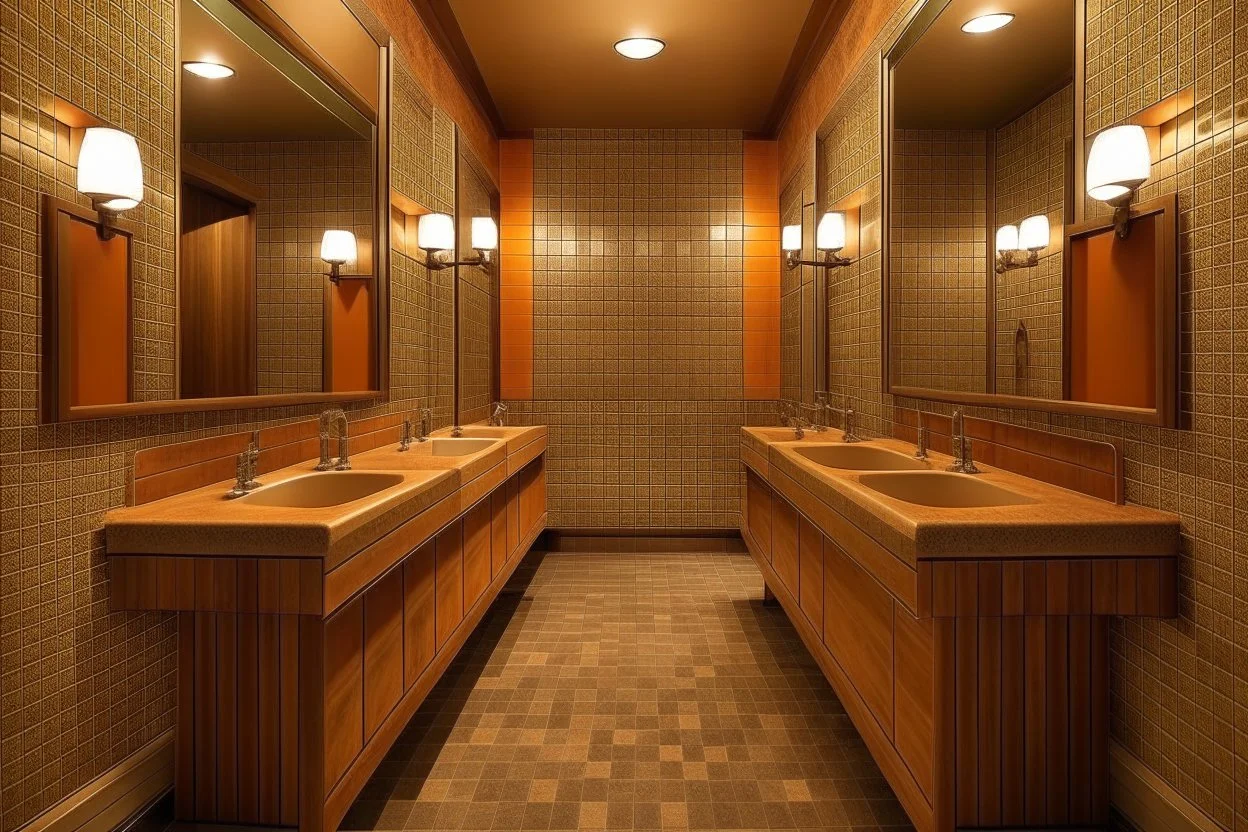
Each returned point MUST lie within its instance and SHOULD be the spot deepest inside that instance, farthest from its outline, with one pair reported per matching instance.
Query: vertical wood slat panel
(288, 632)
(966, 683)
(312, 722)
(1080, 692)
(227, 717)
(989, 749)
(248, 719)
(184, 789)
(205, 715)
(1036, 808)
(1099, 720)
(270, 710)
(1013, 711)
(945, 733)
(1057, 739)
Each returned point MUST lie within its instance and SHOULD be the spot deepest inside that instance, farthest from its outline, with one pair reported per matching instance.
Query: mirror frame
(911, 29)
(279, 30)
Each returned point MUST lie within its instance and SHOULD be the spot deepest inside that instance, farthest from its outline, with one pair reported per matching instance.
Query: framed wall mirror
(278, 288)
(983, 154)
(476, 288)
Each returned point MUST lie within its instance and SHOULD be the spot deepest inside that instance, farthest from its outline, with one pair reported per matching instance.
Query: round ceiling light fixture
(208, 69)
(638, 49)
(987, 23)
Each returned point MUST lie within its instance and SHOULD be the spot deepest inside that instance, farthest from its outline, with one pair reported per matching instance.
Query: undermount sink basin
(442, 446)
(324, 489)
(942, 489)
(859, 458)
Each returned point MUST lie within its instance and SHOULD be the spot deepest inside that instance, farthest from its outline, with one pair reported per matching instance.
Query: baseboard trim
(649, 541)
(117, 795)
(1149, 803)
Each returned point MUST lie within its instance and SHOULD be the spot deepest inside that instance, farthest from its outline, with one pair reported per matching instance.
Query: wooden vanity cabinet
(288, 700)
(981, 686)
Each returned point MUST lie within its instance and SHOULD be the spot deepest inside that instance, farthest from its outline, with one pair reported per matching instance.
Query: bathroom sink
(459, 447)
(321, 490)
(942, 489)
(859, 458)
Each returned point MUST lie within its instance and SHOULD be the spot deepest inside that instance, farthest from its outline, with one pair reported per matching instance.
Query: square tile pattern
(630, 691)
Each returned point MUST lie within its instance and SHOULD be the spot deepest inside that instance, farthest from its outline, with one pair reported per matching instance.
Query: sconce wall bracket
(1008, 260)
(434, 262)
(106, 227)
(831, 260)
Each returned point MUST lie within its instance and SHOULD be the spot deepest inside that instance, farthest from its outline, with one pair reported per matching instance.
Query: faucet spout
(334, 417)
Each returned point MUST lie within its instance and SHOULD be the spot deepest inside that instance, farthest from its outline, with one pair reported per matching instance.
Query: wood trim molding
(115, 796)
(1147, 801)
(443, 27)
(822, 23)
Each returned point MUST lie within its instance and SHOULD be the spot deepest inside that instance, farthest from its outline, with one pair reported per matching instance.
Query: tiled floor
(627, 691)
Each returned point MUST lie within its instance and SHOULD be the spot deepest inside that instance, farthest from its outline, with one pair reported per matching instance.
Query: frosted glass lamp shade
(1118, 163)
(436, 232)
(1007, 238)
(1033, 233)
(484, 233)
(791, 238)
(109, 169)
(830, 234)
(338, 246)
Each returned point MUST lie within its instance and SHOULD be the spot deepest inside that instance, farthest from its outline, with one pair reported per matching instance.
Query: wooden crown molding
(439, 19)
(822, 23)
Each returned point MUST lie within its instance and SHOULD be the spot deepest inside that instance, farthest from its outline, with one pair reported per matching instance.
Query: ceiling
(258, 103)
(952, 80)
(550, 63)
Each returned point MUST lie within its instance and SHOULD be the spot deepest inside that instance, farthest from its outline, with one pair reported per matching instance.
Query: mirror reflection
(277, 203)
(981, 173)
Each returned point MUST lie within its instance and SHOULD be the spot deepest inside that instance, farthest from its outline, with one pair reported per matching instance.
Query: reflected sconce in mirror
(338, 248)
(1118, 164)
(110, 172)
(1019, 246)
(435, 233)
(829, 238)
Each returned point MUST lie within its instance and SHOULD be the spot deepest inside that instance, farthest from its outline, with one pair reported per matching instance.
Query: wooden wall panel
(476, 552)
(449, 582)
(344, 688)
(418, 613)
(383, 649)
(784, 543)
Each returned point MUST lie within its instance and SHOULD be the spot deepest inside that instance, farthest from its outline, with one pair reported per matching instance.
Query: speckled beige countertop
(1060, 522)
(204, 522)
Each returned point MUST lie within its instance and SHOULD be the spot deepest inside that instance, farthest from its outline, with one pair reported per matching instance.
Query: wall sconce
(110, 172)
(1118, 164)
(435, 233)
(829, 239)
(1019, 246)
(337, 249)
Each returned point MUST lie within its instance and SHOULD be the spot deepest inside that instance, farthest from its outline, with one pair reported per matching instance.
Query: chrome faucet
(920, 444)
(343, 463)
(499, 414)
(799, 427)
(405, 438)
(426, 424)
(790, 418)
(850, 433)
(816, 422)
(245, 472)
(963, 460)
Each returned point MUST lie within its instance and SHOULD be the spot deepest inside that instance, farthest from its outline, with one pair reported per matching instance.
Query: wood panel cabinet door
(784, 543)
(449, 581)
(476, 552)
(810, 572)
(913, 734)
(758, 511)
(513, 516)
(498, 531)
(418, 605)
(858, 630)
(344, 688)
(383, 649)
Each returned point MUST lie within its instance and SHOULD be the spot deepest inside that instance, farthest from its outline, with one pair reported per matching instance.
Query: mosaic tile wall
(1179, 688)
(1029, 173)
(82, 688)
(939, 266)
(478, 296)
(637, 310)
(306, 187)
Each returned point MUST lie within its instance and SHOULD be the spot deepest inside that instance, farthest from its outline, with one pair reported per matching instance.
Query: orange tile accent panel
(771, 219)
(516, 269)
(753, 233)
(760, 277)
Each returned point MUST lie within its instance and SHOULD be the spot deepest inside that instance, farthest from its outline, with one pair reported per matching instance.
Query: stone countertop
(204, 522)
(1060, 523)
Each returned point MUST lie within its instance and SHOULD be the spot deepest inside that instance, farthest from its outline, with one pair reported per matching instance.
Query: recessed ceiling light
(986, 23)
(208, 69)
(639, 48)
